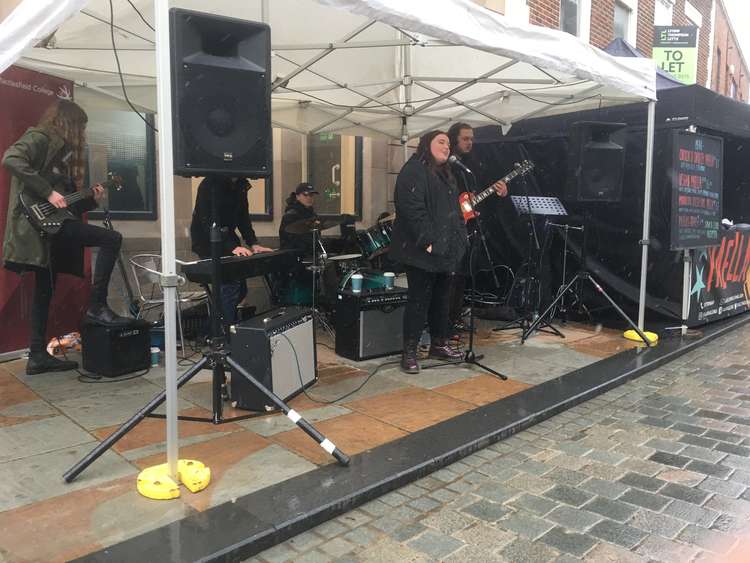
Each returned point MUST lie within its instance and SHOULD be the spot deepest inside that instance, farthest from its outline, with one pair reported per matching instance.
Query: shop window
(334, 164)
(120, 144)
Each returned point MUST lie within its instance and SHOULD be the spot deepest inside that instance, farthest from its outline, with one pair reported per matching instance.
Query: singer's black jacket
(427, 213)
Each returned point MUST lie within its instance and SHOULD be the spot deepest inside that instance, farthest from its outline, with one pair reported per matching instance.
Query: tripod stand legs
(584, 276)
(293, 415)
(94, 454)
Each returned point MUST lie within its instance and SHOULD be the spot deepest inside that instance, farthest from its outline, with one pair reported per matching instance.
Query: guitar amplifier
(113, 351)
(278, 349)
(369, 324)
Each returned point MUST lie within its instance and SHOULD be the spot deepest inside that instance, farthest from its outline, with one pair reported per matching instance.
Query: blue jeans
(232, 294)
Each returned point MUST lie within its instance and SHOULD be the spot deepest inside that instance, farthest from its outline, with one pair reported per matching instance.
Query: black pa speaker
(595, 162)
(221, 95)
(113, 351)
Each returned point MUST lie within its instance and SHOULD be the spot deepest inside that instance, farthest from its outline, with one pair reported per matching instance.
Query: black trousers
(80, 233)
(428, 302)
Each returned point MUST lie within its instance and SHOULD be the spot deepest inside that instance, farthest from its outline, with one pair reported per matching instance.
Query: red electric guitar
(468, 201)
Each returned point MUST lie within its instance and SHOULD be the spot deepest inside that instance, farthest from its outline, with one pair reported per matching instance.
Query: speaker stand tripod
(217, 358)
(584, 275)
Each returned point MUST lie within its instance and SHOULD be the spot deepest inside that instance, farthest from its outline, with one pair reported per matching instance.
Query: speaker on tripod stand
(595, 162)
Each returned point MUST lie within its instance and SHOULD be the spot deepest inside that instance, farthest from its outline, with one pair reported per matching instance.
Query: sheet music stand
(531, 206)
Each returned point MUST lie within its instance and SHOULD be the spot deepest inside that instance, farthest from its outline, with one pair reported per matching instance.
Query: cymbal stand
(566, 228)
(316, 270)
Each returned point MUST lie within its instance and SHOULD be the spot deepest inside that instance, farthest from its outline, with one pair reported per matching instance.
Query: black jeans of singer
(427, 303)
(77, 232)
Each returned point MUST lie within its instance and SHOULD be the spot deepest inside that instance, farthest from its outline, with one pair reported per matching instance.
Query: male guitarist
(47, 166)
(461, 136)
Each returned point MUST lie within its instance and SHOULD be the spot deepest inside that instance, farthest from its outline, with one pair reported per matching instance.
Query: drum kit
(331, 273)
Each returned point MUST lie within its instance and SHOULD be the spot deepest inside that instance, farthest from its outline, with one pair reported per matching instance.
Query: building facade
(721, 65)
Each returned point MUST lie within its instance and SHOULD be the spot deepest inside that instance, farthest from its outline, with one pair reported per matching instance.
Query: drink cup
(390, 279)
(357, 280)
(155, 353)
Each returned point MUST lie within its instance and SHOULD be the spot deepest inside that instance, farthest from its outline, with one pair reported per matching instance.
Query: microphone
(453, 159)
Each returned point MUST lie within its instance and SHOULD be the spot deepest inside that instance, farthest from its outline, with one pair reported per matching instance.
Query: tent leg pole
(686, 285)
(166, 201)
(646, 211)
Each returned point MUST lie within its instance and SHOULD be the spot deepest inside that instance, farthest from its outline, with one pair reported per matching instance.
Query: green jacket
(30, 161)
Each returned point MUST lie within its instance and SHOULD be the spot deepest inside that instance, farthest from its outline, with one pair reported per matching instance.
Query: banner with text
(720, 279)
(675, 50)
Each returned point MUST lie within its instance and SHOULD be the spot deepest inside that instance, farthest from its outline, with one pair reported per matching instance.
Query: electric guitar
(468, 201)
(47, 219)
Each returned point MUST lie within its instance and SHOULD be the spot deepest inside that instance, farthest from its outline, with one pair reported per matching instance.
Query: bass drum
(338, 270)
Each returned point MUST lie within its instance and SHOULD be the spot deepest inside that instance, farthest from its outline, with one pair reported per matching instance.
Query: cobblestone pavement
(654, 470)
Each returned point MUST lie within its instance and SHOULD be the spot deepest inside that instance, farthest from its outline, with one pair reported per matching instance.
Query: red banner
(25, 95)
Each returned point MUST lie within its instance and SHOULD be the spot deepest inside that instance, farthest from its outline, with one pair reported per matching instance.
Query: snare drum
(338, 269)
(374, 241)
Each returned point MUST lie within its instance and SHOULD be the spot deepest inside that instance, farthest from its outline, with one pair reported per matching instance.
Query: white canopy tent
(387, 68)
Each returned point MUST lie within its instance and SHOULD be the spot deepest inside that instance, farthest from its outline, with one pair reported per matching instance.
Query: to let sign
(676, 51)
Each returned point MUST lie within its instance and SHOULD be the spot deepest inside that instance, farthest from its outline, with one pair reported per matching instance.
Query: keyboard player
(234, 218)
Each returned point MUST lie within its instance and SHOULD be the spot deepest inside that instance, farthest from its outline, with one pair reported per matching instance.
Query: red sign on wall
(25, 95)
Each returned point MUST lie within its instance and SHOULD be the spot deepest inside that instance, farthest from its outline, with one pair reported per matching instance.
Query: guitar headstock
(114, 180)
(524, 167)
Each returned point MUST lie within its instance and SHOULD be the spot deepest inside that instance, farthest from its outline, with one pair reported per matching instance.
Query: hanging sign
(676, 51)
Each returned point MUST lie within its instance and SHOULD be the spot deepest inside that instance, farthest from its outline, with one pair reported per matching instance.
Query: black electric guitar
(48, 219)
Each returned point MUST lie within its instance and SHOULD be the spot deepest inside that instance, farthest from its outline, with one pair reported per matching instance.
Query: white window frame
(584, 20)
(631, 5)
(664, 12)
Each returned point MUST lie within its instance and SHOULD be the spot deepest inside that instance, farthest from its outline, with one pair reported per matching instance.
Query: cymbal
(309, 225)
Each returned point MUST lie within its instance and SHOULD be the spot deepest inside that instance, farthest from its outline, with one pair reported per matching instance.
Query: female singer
(429, 239)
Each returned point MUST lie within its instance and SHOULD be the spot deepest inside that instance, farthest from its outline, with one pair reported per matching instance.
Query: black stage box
(278, 349)
(369, 324)
(115, 351)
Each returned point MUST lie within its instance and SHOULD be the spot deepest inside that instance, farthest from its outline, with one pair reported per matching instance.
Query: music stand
(531, 206)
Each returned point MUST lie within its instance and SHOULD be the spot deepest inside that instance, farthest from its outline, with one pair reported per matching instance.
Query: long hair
(424, 154)
(68, 120)
(453, 133)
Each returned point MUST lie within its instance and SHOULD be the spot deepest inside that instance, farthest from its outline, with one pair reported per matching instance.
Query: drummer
(299, 206)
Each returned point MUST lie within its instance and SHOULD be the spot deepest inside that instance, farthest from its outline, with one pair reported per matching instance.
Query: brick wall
(602, 22)
(545, 13)
(726, 42)
(704, 39)
(645, 39)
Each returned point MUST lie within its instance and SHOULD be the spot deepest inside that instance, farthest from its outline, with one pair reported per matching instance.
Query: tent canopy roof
(365, 67)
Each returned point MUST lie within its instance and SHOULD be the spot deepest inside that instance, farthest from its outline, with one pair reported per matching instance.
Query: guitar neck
(491, 190)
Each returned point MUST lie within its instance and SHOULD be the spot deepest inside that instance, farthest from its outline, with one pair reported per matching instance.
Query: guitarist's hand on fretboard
(501, 188)
(98, 191)
(57, 199)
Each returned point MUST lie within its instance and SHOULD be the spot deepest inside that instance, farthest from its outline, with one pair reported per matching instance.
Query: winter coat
(294, 212)
(234, 215)
(31, 161)
(427, 213)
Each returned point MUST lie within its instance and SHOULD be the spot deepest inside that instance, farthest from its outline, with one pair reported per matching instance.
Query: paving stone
(313, 557)
(642, 466)
(486, 510)
(573, 519)
(376, 507)
(691, 513)
(337, 547)
(424, 504)
(716, 415)
(386, 524)
(655, 523)
(661, 549)
(407, 531)
(665, 458)
(642, 482)
(608, 489)
(644, 499)
(608, 553)
(665, 445)
(724, 436)
(568, 542)
(733, 449)
(459, 486)
(726, 488)
(568, 495)
(689, 428)
(444, 495)
(361, 536)
(524, 551)
(530, 483)
(448, 521)
(306, 541)
(435, 544)
(724, 505)
(710, 540)
(394, 498)
(681, 477)
(736, 462)
(404, 513)
(603, 471)
(412, 491)
(278, 553)
(608, 457)
(534, 504)
(699, 441)
(485, 536)
(525, 524)
(612, 509)
(688, 494)
(534, 467)
(617, 533)
(330, 529)
(566, 476)
(713, 469)
(496, 492)
(704, 454)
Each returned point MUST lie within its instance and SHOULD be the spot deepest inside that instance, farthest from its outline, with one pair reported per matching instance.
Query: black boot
(409, 361)
(441, 349)
(103, 315)
(42, 362)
